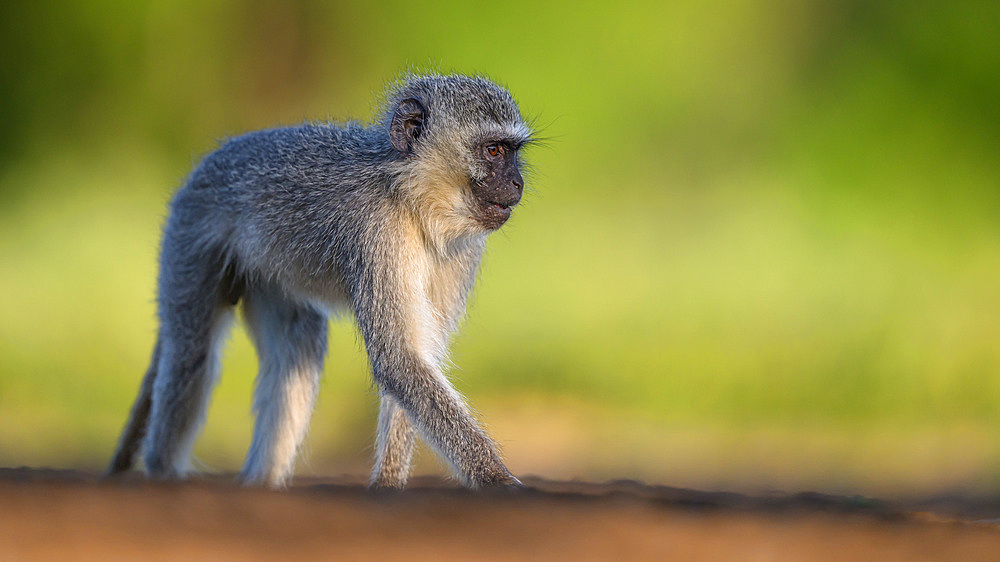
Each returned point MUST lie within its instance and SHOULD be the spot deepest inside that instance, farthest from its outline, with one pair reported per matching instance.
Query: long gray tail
(135, 429)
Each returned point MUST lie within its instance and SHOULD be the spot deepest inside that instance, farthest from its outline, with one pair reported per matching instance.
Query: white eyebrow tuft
(517, 132)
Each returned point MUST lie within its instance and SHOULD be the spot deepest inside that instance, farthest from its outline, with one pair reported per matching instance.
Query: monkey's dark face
(502, 186)
(435, 142)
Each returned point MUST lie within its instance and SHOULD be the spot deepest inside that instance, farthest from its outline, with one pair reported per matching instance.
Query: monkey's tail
(135, 429)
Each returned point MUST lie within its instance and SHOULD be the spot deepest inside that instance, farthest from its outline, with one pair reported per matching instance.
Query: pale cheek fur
(440, 190)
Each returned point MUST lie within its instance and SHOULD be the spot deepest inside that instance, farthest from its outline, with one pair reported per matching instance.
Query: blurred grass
(761, 246)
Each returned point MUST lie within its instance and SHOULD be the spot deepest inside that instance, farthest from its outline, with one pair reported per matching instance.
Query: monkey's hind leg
(135, 429)
(195, 313)
(393, 445)
(290, 338)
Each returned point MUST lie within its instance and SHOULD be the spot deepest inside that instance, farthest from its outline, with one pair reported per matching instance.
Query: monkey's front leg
(393, 445)
(443, 419)
(434, 407)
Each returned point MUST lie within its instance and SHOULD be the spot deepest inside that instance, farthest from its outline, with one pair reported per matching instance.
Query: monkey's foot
(380, 486)
(389, 477)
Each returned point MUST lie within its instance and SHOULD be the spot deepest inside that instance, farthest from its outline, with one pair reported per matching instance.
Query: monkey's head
(459, 140)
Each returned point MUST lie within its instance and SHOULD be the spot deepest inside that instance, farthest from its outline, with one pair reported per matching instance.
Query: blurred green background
(761, 247)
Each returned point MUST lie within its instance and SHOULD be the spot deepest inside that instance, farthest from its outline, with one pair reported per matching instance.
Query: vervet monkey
(388, 221)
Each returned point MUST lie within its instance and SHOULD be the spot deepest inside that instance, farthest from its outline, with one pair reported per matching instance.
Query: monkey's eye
(493, 150)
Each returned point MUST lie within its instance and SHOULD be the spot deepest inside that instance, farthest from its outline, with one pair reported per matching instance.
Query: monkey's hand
(509, 483)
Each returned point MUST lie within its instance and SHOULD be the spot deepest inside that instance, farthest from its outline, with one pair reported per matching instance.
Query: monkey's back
(285, 201)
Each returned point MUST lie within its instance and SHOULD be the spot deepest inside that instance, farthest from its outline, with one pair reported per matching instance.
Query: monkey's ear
(407, 125)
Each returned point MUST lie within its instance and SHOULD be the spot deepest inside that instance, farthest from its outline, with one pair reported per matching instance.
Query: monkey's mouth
(492, 215)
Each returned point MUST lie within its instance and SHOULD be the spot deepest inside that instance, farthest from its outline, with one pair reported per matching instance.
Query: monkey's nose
(517, 180)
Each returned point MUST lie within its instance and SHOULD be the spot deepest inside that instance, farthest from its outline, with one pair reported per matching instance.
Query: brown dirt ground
(52, 514)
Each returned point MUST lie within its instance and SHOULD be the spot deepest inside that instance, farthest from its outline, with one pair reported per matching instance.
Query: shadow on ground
(50, 514)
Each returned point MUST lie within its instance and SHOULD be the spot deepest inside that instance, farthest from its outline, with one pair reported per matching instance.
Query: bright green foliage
(756, 228)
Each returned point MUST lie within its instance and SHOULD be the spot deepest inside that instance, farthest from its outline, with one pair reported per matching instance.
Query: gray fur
(394, 445)
(291, 341)
(305, 220)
